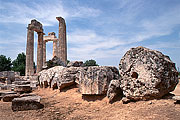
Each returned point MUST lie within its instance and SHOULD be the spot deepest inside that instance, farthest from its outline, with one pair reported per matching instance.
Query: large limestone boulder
(65, 78)
(58, 77)
(27, 103)
(147, 74)
(95, 80)
(46, 76)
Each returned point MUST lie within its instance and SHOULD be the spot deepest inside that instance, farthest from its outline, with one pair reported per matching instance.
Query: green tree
(19, 63)
(5, 63)
(68, 61)
(90, 63)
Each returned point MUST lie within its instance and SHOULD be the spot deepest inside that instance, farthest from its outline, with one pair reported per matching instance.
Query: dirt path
(69, 105)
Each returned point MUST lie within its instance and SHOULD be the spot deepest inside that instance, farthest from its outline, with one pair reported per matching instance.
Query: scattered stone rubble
(8, 76)
(20, 86)
(143, 74)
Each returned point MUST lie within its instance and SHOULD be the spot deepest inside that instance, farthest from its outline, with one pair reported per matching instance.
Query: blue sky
(96, 29)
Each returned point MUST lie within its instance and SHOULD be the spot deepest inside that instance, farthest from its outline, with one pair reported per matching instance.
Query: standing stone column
(55, 48)
(30, 53)
(40, 52)
(44, 52)
(62, 47)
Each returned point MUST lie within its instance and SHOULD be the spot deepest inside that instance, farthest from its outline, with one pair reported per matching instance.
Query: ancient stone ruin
(143, 74)
(51, 37)
(37, 27)
(59, 45)
(62, 45)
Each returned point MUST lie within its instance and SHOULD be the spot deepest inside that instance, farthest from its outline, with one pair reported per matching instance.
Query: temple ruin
(62, 46)
(37, 27)
(51, 37)
(59, 45)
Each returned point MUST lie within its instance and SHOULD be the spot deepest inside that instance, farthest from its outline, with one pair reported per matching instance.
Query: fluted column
(40, 52)
(30, 53)
(55, 48)
(44, 52)
(62, 47)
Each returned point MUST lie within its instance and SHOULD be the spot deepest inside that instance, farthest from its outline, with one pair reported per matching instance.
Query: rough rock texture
(114, 90)
(125, 100)
(23, 88)
(177, 99)
(26, 103)
(10, 97)
(75, 64)
(3, 93)
(58, 77)
(95, 80)
(147, 74)
(64, 78)
(54, 62)
(8, 76)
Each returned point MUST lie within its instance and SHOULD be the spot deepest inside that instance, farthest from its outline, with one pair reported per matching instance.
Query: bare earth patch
(70, 105)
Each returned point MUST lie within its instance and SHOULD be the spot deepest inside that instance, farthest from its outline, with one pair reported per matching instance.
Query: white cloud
(88, 44)
(46, 12)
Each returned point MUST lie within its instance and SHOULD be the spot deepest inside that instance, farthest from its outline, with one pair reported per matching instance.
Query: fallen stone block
(27, 103)
(95, 80)
(3, 93)
(114, 90)
(21, 82)
(27, 94)
(10, 97)
(23, 88)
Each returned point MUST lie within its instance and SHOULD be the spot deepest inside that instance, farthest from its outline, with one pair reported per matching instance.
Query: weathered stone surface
(27, 94)
(147, 74)
(46, 76)
(23, 88)
(125, 100)
(5, 86)
(8, 76)
(26, 103)
(75, 64)
(10, 97)
(95, 80)
(62, 46)
(65, 78)
(34, 26)
(114, 90)
(21, 82)
(58, 77)
(176, 98)
(3, 93)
